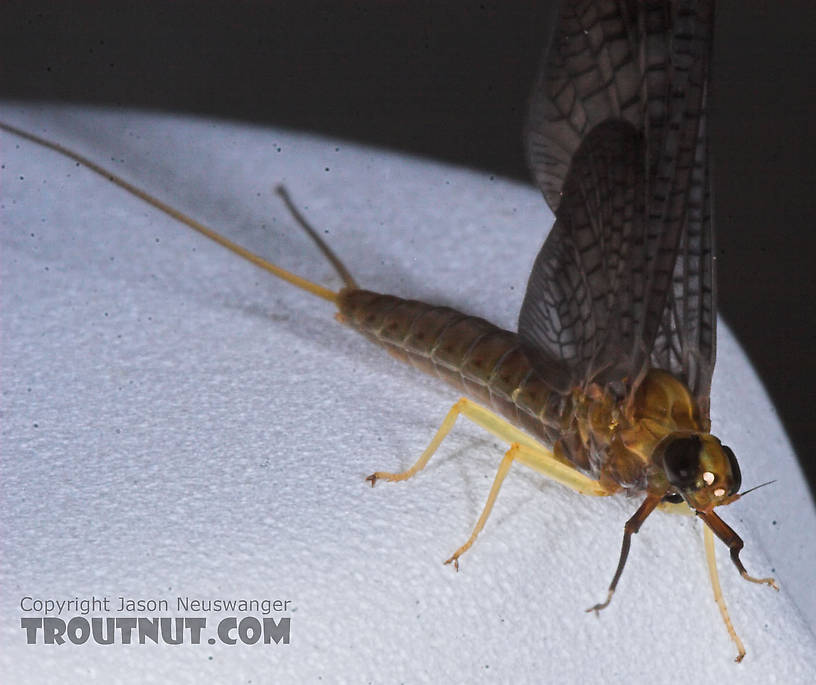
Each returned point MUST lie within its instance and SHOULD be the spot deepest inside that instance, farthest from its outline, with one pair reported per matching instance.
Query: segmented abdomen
(480, 359)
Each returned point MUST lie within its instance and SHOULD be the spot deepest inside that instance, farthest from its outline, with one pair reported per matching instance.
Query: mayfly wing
(685, 343)
(581, 305)
(616, 139)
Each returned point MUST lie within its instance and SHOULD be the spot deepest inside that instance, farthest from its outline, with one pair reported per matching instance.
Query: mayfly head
(700, 469)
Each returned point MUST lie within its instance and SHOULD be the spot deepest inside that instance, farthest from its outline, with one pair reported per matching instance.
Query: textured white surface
(176, 422)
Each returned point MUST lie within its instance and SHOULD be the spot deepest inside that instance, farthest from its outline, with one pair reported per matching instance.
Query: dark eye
(681, 461)
(735, 469)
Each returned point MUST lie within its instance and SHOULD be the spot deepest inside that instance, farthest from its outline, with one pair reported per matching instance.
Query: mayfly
(605, 387)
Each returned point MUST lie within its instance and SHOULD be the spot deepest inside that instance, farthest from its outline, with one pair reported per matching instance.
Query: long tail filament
(283, 274)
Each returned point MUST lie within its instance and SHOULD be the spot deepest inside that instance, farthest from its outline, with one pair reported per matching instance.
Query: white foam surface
(176, 422)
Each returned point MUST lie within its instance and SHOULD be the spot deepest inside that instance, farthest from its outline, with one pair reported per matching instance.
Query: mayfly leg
(632, 526)
(522, 449)
(734, 542)
(714, 576)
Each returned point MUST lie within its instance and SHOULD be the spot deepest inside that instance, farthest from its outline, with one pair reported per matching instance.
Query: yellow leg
(708, 539)
(523, 448)
(504, 467)
(535, 455)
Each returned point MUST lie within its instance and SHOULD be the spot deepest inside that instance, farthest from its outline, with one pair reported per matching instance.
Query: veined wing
(617, 141)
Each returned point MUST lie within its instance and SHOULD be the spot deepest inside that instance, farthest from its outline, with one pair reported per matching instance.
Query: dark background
(449, 80)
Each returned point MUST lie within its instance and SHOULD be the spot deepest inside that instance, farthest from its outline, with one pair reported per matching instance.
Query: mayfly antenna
(756, 487)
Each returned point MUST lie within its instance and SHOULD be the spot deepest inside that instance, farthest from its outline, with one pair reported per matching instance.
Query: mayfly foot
(455, 561)
(771, 582)
(760, 581)
(384, 475)
(381, 475)
(597, 608)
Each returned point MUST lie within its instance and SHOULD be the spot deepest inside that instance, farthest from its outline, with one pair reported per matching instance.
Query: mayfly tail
(341, 269)
(283, 274)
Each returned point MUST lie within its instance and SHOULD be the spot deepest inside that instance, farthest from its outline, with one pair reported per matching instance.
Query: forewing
(626, 277)
(685, 343)
(583, 303)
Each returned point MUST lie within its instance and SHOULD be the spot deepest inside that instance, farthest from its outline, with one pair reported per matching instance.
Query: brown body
(588, 428)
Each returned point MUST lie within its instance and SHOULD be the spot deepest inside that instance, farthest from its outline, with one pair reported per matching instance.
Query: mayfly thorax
(605, 387)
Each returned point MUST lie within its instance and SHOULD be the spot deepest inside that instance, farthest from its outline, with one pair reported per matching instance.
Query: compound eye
(735, 469)
(681, 461)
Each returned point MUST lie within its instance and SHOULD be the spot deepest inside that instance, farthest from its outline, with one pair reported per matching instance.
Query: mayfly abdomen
(482, 360)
